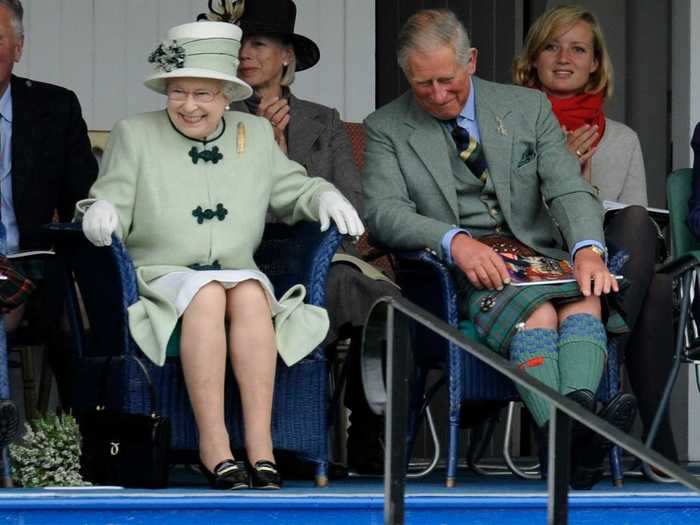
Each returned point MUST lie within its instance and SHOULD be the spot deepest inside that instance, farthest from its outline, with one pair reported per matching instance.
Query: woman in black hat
(313, 135)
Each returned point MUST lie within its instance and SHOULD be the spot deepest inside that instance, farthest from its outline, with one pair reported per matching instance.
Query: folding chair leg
(436, 447)
(686, 284)
(525, 474)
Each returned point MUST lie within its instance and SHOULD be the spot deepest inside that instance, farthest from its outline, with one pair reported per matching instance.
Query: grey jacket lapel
(427, 141)
(497, 141)
(304, 130)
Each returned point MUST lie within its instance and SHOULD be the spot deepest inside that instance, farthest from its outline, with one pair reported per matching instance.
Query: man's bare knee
(588, 305)
(544, 317)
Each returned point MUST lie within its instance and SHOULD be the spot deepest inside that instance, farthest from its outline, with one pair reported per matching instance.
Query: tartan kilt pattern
(15, 288)
(497, 324)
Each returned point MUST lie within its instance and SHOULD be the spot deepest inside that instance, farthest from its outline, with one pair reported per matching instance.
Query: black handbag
(130, 450)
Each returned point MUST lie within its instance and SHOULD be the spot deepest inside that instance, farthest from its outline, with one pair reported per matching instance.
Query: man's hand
(592, 275)
(483, 267)
(276, 110)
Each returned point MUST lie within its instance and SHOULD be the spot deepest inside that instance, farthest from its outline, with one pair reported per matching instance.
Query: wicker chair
(107, 284)
(427, 281)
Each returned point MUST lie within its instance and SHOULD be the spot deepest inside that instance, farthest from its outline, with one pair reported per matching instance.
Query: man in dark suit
(46, 165)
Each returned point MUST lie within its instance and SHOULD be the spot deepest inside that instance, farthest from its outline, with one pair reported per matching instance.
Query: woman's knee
(210, 298)
(248, 296)
(545, 316)
(632, 222)
(210, 291)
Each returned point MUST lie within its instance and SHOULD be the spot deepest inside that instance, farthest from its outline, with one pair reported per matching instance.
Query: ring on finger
(579, 153)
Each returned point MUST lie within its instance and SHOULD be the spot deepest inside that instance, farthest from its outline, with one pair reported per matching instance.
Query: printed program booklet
(525, 266)
(538, 269)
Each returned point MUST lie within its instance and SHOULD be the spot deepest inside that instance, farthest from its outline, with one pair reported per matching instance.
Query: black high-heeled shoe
(264, 475)
(227, 475)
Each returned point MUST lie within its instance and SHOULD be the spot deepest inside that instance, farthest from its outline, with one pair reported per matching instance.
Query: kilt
(496, 315)
(15, 288)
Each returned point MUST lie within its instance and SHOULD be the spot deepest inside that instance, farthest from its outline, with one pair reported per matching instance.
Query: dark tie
(470, 151)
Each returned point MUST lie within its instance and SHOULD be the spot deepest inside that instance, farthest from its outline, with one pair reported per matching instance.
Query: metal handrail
(385, 325)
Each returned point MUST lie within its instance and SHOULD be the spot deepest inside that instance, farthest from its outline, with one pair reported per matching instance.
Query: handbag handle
(102, 396)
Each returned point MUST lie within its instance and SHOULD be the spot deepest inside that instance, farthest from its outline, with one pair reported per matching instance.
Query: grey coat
(316, 139)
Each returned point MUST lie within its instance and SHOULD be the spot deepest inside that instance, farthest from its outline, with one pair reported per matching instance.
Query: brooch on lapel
(499, 126)
(240, 138)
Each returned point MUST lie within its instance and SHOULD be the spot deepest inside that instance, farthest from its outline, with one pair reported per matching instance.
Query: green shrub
(49, 454)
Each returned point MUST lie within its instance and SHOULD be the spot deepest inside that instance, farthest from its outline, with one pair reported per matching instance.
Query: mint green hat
(199, 50)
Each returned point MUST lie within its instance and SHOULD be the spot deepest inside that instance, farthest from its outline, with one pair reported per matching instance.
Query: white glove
(332, 205)
(100, 222)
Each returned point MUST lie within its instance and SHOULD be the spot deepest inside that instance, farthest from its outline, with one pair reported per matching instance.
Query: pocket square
(527, 157)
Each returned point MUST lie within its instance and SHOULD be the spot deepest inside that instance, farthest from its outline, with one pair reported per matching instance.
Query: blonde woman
(565, 56)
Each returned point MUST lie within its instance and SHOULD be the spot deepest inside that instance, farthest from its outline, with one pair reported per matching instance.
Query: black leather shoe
(583, 397)
(9, 422)
(227, 475)
(620, 411)
(264, 475)
(587, 470)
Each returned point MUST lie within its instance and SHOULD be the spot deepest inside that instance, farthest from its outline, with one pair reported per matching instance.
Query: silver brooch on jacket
(499, 126)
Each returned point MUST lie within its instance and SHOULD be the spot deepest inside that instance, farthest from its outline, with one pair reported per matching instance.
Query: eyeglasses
(200, 96)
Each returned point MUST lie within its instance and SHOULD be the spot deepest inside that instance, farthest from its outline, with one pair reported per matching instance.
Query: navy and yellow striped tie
(471, 152)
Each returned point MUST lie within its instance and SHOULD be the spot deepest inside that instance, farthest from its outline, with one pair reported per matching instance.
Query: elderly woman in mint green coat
(187, 190)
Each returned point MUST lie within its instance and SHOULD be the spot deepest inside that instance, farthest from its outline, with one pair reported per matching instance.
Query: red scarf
(574, 112)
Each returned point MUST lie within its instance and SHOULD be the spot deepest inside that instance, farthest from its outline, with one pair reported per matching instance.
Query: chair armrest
(416, 265)
(298, 254)
(681, 264)
(107, 281)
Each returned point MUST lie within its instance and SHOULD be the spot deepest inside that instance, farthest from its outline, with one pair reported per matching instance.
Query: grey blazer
(318, 141)
(410, 196)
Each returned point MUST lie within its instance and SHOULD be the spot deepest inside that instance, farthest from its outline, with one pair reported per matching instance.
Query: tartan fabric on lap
(513, 305)
(14, 287)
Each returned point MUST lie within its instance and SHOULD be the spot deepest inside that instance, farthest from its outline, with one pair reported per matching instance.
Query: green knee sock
(582, 351)
(535, 351)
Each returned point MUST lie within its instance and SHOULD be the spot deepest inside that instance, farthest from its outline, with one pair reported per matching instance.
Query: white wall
(98, 48)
